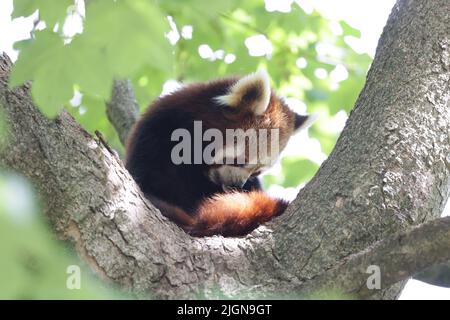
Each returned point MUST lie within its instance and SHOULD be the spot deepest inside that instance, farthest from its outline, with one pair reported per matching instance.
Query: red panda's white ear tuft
(251, 93)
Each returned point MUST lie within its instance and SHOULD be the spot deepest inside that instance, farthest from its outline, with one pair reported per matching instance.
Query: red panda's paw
(235, 214)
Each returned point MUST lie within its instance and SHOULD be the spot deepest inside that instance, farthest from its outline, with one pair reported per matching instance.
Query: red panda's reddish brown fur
(195, 196)
(236, 213)
(226, 214)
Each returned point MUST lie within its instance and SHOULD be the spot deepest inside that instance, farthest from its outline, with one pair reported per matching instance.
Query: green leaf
(33, 55)
(96, 56)
(200, 8)
(45, 61)
(127, 34)
(44, 93)
(90, 69)
(349, 30)
(50, 11)
(24, 8)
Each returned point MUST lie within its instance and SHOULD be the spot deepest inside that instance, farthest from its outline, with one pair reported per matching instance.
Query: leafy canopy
(34, 265)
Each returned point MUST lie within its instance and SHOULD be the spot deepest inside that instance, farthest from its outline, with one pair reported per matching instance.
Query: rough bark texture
(438, 275)
(390, 170)
(397, 256)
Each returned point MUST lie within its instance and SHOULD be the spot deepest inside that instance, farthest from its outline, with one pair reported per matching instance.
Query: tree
(374, 202)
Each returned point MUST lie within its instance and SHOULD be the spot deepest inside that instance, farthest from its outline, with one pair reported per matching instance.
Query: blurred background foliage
(76, 49)
(34, 265)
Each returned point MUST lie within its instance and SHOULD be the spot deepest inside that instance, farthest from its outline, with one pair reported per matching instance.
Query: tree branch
(438, 275)
(390, 170)
(398, 257)
(390, 167)
(122, 109)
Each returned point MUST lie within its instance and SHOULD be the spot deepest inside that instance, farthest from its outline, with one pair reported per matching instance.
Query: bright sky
(367, 16)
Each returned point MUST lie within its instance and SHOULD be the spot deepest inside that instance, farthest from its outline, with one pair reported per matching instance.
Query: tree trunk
(389, 171)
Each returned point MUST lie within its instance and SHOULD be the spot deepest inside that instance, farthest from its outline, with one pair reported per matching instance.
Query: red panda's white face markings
(228, 176)
(249, 104)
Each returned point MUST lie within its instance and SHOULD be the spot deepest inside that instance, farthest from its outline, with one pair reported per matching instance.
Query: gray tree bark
(438, 275)
(388, 174)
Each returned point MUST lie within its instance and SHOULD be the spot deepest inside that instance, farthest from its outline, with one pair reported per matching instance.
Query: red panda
(223, 197)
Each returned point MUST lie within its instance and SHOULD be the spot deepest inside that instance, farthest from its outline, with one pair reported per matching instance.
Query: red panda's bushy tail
(228, 214)
(235, 213)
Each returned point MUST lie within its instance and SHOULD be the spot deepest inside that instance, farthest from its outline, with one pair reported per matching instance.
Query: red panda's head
(255, 112)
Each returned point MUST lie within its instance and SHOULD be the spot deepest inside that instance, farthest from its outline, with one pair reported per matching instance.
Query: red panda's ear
(250, 93)
(304, 121)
